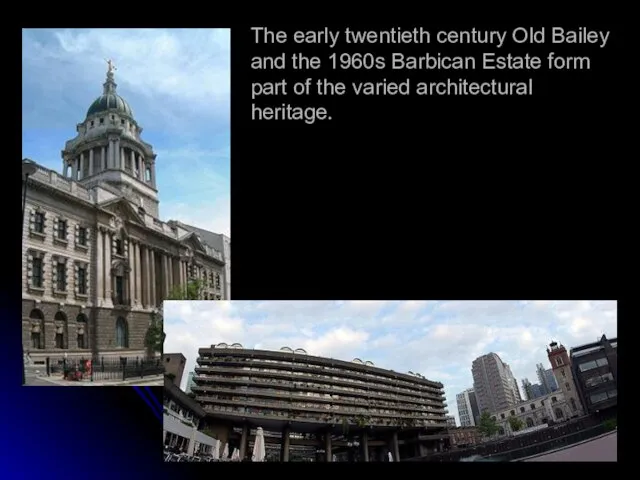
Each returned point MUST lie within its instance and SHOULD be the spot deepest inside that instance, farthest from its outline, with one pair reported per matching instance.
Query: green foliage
(193, 291)
(516, 424)
(487, 425)
(611, 424)
(154, 339)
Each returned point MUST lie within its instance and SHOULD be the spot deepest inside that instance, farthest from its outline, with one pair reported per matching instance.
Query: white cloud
(440, 341)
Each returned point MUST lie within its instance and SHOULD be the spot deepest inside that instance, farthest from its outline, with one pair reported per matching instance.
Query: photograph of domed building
(98, 261)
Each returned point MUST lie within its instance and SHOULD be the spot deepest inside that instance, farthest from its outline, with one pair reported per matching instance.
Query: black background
(432, 197)
(395, 198)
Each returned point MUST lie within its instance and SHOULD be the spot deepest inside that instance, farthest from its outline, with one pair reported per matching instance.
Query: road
(603, 449)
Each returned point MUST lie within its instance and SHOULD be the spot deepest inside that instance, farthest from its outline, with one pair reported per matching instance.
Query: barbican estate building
(97, 260)
(323, 403)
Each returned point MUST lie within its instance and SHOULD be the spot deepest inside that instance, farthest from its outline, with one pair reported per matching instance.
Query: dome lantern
(110, 100)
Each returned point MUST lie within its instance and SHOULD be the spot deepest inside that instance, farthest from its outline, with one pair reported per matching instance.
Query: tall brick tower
(561, 365)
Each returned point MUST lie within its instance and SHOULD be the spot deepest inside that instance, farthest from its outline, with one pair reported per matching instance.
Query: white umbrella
(258, 447)
(390, 457)
(235, 456)
(225, 452)
(216, 450)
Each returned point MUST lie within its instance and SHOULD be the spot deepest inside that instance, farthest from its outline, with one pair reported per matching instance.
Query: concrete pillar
(152, 257)
(138, 264)
(146, 254)
(103, 158)
(327, 446)
(123, 158)
(91, 161)
(64, 167)
(285, 445)
(99, 266)
(395, 447)
(118, 154)
(165, 276)
(365, 446)
(153, 174)
(81, 166)
(107, 269)
(132, 273)
(244, 442)
(133, 164)
(192, 442)
(142, 167)
(74, 168)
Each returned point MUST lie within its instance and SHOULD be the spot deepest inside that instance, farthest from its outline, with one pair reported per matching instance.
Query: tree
(193, 291)
(487, 425)
(515, 423)
(154, 339)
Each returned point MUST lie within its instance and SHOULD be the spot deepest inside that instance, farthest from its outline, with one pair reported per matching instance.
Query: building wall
(493, 383)
(151, 260)
(552, 408)
(467, 408)
(595, 372)
(174, 364)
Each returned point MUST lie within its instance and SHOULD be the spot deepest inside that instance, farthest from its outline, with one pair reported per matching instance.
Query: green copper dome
(110, 100)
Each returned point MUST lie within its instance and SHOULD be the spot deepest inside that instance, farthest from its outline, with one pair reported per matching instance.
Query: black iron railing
(104, 368)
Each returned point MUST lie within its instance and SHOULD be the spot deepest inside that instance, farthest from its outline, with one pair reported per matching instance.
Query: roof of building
(180, 397)
(110, 101)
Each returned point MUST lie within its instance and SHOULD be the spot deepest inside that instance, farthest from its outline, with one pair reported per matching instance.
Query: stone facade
(552, 408)
(97, 260)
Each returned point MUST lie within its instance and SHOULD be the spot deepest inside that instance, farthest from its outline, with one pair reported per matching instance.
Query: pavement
(39, 379)
(602, 449)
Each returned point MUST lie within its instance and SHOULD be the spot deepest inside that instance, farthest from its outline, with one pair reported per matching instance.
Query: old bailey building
(97, 260)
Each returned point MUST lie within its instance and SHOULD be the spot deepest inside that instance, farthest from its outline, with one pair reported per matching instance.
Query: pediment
(122, 210)
(192, 241)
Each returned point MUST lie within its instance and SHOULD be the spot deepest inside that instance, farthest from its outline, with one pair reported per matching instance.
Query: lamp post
(28, 168)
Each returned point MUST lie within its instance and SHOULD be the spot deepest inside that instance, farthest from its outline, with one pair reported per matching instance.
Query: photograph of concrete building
(98, 260)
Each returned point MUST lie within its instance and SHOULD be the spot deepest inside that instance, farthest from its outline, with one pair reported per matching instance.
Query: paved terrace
(602, 449)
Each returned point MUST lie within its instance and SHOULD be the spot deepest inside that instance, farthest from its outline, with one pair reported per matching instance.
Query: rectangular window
(59, 340)
(36, 273)
(598, 397)
(38, 224)
(602, 362)
(81, 341)
(559, 361)
(82, 236)
(120, 290)
(35, 340)
(61, 277)
(119, 250)
(587, 366)
(82, 281)
(62, 229)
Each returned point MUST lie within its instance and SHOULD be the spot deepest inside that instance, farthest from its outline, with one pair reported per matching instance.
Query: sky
(176, 81)
(438, 339)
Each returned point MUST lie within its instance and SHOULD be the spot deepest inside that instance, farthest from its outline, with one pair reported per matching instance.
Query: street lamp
(28, 169)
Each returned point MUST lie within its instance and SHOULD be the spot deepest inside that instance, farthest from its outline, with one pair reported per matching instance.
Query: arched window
(529, 422)
(82, 331)
(37, 329)
(60, 321)
(559, 413)
(500, 431)
(122, 333)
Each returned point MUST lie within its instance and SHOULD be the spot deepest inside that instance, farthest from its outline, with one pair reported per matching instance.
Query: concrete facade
(493, 383)
(174, 364)
(328, 404)
(595, 374)
(467, 408)
(97, 260)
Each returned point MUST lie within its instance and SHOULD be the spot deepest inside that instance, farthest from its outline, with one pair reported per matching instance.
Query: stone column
(165, 275)
(74, 168)
(394, 447)
(153, 174)
(123, 158)
(142, 168)
(108, 300)
(64, 167)
(132, 272)
(138, 274)
(285, 444)
(91, 161)
(327, 446)
(103, 159)
(365, 446)
(244, 440)
(110, 154)
(152, 257)
(99, 266)
(81, 167)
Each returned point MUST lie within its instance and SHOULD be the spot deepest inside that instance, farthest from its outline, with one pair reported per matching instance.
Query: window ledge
(82, 296)
(36, 289)
(60, 241)
(34, 234)
(63, 293)
(79, 246)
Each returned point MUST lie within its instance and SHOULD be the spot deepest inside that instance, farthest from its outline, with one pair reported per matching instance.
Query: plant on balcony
(362, 420)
